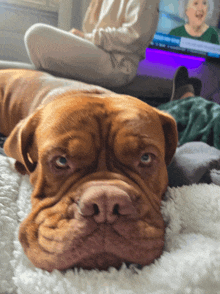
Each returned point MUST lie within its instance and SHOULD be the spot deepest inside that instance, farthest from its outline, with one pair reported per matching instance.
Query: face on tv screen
(189, 26)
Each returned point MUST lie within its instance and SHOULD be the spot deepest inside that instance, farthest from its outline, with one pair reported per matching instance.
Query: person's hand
(77, 33)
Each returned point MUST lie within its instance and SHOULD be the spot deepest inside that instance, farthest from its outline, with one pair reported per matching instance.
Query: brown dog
(97, 163)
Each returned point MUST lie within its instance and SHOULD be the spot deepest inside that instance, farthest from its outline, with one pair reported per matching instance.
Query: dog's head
(98, 169)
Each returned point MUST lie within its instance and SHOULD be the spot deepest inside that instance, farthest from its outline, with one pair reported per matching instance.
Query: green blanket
(197, 120)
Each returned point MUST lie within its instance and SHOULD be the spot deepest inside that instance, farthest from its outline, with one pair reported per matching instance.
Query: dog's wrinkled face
(98, 168)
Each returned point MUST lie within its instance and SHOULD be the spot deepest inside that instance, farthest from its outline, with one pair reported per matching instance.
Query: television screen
(190, 27)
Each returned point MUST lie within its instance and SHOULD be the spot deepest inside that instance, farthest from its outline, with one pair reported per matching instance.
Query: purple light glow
(161, 63)
(151, 53)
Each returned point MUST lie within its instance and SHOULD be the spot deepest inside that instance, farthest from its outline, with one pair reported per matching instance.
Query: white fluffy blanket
(190, 262)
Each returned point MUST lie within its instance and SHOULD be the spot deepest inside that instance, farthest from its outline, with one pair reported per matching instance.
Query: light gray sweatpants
(65, 54)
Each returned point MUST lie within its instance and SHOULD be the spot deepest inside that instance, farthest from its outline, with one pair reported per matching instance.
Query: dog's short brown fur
(97, 162)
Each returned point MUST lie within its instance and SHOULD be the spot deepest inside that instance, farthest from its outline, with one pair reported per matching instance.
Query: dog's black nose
(105, 204)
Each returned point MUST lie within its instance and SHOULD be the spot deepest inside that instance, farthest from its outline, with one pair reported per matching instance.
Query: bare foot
(187, 94)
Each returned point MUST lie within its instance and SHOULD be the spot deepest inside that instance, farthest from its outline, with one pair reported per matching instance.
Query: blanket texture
(197, 120)
(190, 262)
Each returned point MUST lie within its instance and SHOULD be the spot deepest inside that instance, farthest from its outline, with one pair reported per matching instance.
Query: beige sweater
(123, 28)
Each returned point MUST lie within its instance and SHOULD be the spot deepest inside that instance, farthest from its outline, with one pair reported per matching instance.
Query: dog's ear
(171, 134)
(21, 141)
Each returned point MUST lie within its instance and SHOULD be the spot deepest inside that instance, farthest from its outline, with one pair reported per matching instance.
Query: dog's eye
(146, 158)
(61, 162)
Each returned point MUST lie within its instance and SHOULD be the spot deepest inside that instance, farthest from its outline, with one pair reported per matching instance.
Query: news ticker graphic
(186, 44)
